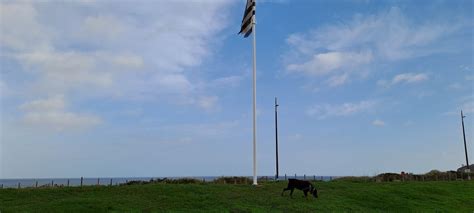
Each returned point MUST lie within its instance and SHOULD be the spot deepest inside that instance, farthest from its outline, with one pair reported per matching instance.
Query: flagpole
(254, 103)
(276, 137)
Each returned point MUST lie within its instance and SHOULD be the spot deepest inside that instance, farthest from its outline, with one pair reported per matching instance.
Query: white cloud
(60, 121)
(378, 122)
(102, 27)
(465, 67)
(228, 81)
(326, 63)
(468, 106)
(208, 102)
(4, 91)
(20, 29)
(327, 110)
(455, 86)
(349, 48)
(52, 104)
(295, 137)
(65, 70)
(50, 114)
(176, 83)
(212, 130)
(407, 78)
(92, 48)
(338, 80)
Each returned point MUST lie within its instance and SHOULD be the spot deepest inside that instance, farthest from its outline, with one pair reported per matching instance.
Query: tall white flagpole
(254, 103)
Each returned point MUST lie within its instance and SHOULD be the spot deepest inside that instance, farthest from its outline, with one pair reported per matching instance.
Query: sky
(164, 88)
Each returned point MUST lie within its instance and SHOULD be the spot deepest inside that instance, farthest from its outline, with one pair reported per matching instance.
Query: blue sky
(163, 88)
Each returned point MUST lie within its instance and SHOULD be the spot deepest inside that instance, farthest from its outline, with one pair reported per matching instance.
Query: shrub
(354, 179)
(233, 180)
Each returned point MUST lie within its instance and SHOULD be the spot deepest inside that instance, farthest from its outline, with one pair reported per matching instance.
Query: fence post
(285, 176)
(82, 178)
(295, 175)
(304, 177)
(67, 182)
(98, 181)
(36, 185)
(19, 185)
(314, 177)
(203, 180)
(52, 183)
(2, 186)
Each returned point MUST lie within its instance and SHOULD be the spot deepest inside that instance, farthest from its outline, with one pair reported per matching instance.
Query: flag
(246, 28)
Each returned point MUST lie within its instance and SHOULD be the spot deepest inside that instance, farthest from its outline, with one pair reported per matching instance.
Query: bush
(355, 179)
(388, 177)
(164, 180)
(233, 180)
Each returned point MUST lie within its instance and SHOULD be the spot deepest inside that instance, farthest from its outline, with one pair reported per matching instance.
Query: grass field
(454, 196)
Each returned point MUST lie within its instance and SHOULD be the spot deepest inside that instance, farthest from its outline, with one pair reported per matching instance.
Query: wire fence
(80, 182)
(104, 181)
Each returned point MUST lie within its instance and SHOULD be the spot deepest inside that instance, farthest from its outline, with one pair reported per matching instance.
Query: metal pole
(276, 135)
(465, 146)
(254, 103)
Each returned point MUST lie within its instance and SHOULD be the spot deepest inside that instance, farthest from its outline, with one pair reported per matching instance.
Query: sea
(105, 181)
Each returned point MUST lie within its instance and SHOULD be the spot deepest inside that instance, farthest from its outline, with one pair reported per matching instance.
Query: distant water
(31, 182)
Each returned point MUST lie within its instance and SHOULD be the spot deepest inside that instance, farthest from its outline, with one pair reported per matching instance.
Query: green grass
(455, 196)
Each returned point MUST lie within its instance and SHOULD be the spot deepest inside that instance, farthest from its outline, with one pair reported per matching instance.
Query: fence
(80, 182)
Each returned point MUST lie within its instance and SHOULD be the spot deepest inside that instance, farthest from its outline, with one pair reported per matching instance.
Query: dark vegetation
(220, 180)
(433, 175)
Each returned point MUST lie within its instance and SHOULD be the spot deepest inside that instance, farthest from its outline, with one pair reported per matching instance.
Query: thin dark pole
(465, 146)
(276, 135)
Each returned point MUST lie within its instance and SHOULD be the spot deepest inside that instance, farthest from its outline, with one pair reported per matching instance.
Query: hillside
(454, 196)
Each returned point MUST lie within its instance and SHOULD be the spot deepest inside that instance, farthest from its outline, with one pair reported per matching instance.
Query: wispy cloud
(378, 122)
(208, 103)
(102, 49)
(349, 48)
(51, 114)
(327, 110)
(455, 86)
(405, 78)
(468, 106)
(326, 63)
(4, 91)
(227, 81)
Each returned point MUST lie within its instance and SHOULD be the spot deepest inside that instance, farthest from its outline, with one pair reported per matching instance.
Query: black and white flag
(246, 28)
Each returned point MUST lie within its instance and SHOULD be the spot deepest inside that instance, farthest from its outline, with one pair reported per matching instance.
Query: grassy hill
(454, 196)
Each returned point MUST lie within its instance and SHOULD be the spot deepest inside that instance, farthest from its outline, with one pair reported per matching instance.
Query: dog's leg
(285, 189)
(291, 193)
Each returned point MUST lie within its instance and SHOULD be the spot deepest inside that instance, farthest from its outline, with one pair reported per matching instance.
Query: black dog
(303, 185)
